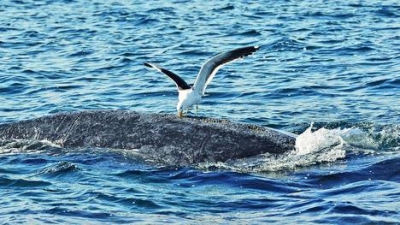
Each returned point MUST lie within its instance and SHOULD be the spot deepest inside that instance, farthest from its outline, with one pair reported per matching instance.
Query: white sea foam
(13, 146)
(322, 139)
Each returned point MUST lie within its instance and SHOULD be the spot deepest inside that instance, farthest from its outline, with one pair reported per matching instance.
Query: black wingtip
(246, 51)
(253, 48)
(180, 83)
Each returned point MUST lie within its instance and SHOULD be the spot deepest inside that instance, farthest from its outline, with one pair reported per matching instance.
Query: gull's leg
(180, 114)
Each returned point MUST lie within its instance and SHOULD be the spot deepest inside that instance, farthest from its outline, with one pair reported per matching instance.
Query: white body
(187, 98)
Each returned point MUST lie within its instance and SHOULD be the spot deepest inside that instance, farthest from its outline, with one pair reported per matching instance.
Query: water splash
(361, 137)
(375, 138)
(310, 142)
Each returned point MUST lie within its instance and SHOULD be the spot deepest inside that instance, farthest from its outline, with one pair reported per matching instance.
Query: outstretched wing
(210, 67)
(180, 83)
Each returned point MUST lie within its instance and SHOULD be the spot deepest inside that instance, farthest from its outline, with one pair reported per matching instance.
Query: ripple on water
(335, 64)
(59, 169)
(22, 183)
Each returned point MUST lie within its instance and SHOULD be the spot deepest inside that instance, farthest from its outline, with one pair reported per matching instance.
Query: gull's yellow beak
(180, 114)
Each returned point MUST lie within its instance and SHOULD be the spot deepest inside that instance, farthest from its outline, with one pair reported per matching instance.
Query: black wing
(180, 83)
(210, 68)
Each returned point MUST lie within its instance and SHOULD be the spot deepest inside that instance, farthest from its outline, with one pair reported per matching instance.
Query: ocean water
(328, 71)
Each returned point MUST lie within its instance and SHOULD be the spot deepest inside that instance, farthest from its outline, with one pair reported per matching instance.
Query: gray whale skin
(160, 138)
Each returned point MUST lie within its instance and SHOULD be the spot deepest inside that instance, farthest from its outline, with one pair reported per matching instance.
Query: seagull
(190, 95)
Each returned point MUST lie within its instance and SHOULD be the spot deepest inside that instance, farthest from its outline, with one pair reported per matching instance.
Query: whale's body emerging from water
(158, 137)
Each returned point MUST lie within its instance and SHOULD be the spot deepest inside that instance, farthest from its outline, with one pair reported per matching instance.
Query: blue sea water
(332, 64)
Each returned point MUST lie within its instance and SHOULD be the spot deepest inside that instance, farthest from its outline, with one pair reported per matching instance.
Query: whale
(156, 137)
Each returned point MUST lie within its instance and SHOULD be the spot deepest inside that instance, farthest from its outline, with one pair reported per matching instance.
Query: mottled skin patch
(161, 138)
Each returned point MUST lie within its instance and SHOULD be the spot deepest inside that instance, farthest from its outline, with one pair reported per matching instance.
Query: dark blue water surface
(335, 64)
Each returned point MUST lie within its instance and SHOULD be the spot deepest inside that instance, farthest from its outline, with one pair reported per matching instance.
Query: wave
(59, 169)
(18, 183)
